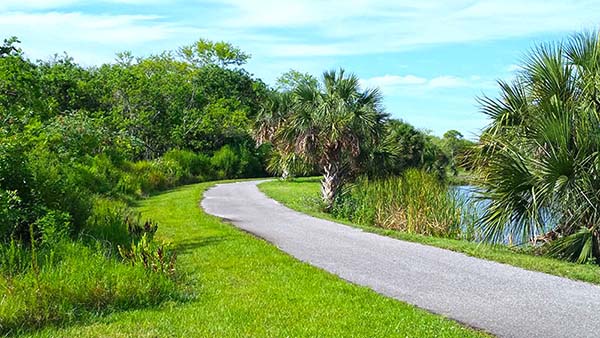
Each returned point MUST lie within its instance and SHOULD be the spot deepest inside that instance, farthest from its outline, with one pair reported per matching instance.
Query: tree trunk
(332, 180)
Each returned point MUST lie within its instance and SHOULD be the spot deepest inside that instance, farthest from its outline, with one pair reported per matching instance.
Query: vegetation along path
(244, 287)
(504, 300)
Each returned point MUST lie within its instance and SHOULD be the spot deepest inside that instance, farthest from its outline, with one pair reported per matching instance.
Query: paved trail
(501, 299)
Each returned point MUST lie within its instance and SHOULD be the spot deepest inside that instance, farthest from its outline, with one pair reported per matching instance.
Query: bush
(107, 223)
(150, 256)
(57, 185)
(100, 175)
(195, 166)
(226, 162)
(10, 212)
(239, 161)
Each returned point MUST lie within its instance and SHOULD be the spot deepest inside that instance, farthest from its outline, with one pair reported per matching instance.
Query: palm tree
(540, 156)
(276, 109)
(331, 126)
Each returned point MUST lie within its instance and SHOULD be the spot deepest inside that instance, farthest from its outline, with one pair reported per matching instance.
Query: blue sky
(430, 58)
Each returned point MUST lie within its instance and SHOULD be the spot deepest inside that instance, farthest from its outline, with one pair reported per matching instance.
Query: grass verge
(245, 287)
(302, 194)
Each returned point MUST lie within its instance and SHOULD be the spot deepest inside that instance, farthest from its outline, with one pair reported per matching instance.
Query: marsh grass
(416, 202)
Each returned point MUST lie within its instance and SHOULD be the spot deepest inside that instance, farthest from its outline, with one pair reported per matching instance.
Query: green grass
(245, 287)
(303, 195)
(83, 284)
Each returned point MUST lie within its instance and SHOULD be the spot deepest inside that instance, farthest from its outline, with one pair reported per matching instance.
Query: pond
(467, 195)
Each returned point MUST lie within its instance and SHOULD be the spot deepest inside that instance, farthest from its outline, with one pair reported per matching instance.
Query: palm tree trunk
(332, 180)
(285, 174)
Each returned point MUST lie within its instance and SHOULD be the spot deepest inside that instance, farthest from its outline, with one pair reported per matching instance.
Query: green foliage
(402, 147)
(79, 144)
(113, 223)
(66, 86)
(226, 162)
(150, 256)
(328, 126)
(10, 211)
(205, 52)
(192, 164)
(19, 85)
(107, 223)
(416, 202)
(74, 281)
(8, 48)
(539, 156)
(292, 79)
(458, 150)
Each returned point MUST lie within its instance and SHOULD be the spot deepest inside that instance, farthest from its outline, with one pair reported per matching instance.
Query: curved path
(501, 299)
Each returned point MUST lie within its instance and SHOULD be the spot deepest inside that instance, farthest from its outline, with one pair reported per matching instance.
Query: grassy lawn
(242, 286)
(303, 195)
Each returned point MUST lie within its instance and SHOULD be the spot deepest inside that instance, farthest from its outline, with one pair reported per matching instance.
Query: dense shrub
(193, 165)
(10, 212)
(226, 162)
(108, 223)
(238, 162)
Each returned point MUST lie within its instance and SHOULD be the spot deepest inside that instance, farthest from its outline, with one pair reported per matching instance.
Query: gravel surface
(498, 298)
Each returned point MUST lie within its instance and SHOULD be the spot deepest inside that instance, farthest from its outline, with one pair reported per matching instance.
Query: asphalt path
(501, 299)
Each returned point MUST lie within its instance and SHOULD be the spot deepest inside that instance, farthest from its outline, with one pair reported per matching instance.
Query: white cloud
(50, 32)
(274, 28)
(387, 81)
(353, 27)
(8, 5)
(20, 5)
(81, 27)
(447, 82)
(391, 84)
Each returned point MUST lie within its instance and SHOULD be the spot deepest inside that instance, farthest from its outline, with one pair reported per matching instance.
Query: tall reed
(416, 202)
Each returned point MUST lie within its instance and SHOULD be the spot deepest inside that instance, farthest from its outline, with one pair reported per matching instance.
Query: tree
(205, 52)
(456, 147)
(330, 127)
(275, 111)
(66, 86)
(540, 157)
(19, 85)
(408, 143)
(8, 48)
(293, 79)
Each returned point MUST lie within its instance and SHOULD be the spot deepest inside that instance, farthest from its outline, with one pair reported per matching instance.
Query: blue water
(468, 195)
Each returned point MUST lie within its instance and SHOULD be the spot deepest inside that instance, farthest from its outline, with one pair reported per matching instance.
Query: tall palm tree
(540, 156)
(330, 126)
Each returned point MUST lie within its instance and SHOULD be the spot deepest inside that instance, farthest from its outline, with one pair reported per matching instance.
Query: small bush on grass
(114, 223)
(150, 256)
